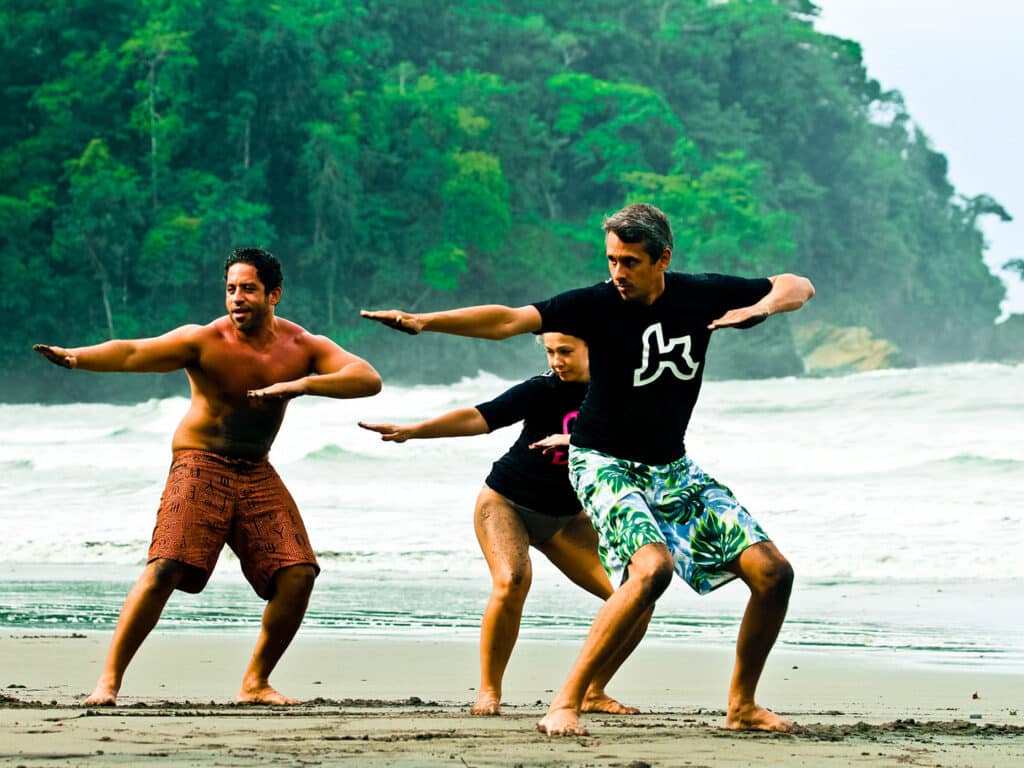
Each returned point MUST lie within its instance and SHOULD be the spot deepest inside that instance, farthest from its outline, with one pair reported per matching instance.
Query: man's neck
(654, 295)
(258, 336)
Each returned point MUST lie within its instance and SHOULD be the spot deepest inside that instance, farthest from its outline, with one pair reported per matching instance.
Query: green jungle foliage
(397, 153)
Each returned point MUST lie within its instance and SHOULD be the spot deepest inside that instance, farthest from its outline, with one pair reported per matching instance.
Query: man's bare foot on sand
(561, 722)
(103, 695)
(606, 704)
(757, 718)
(263, 694)
(487, 705)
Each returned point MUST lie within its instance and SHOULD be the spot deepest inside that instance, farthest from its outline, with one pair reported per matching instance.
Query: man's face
(246, 298)
(567, 356)
(633, 273)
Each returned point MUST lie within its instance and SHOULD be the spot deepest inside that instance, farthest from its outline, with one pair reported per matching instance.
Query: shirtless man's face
(246, 298)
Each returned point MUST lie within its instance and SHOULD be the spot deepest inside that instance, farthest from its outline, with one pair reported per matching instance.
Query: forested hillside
(425, 155)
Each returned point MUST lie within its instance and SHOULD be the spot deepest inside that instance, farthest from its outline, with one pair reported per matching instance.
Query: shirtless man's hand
(285, 390)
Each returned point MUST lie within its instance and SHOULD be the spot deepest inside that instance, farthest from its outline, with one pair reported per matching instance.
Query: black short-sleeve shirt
(546, 405)
(646, 361)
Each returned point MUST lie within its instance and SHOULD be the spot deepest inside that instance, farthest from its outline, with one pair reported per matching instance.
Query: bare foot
(757, 718)
(487, 705)
(561, 722)
(103, 695)
(608, 705)
(263, 694)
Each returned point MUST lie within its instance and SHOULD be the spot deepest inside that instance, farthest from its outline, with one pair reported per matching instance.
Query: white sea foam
(897, 474)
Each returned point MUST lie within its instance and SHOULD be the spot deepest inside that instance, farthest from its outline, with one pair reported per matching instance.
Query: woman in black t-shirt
(527, 501)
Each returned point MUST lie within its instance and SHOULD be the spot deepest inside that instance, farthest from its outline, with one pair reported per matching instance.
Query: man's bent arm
(355, 379)
(170, 352)
(489, 321)
(788, 293)
(337, 374)
(462, 422)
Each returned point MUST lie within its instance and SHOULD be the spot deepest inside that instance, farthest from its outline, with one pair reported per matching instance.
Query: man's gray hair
(641, 223)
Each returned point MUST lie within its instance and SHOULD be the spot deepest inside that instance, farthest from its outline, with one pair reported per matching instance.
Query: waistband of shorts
(219, 458)
(583, 453)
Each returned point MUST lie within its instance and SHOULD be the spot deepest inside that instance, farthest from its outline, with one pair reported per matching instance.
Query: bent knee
(653, 571)
(512, 584)
(295, 578)
(164, 575)
(774, 577)
(659, 579)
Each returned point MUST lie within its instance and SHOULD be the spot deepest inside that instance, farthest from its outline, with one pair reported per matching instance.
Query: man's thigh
(706, 528)
(615, 498)
(268, 532)
(193, 519)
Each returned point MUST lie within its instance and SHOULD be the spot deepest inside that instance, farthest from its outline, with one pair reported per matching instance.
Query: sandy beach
(403, 702)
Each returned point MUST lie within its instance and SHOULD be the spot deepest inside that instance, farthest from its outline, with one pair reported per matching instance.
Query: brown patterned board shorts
(211, 500)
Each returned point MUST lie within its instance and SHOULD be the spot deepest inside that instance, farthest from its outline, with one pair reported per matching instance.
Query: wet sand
(379, 702)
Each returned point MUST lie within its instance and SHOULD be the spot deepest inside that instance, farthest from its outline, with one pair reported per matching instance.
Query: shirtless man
(243, 368)
(655, 510)
(527, 501)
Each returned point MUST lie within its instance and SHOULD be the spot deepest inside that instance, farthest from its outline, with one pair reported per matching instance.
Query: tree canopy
(424, 155)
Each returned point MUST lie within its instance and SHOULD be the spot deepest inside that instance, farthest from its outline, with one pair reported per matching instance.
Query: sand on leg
(505, 545)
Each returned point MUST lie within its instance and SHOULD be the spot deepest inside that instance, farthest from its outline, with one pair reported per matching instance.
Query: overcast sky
(960, 67)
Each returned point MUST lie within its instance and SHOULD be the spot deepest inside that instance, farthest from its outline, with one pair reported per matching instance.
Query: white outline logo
(663, 349)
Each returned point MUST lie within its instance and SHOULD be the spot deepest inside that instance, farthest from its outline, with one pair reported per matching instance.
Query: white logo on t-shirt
(664, 358)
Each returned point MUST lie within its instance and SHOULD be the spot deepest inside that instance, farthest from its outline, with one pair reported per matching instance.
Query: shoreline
(404, 702)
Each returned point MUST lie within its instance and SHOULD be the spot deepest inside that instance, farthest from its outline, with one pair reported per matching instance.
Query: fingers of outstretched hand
(393, 319)
(738, 318)
(56, 355)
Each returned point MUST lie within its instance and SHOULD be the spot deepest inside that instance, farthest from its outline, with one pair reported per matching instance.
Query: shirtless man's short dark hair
(267, 266)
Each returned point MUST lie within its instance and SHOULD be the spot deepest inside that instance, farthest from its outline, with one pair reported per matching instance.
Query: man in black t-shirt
(655, 511)
(526, 501)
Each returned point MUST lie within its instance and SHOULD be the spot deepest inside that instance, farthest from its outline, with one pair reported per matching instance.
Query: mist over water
(897, 496)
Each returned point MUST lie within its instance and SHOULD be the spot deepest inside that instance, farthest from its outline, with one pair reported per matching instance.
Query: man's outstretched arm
(489, 321)
(788, 293)
(337, 373)
(175, 349)
(462, 422)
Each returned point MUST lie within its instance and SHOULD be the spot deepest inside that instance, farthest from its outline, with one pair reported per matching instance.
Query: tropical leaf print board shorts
(633, 504)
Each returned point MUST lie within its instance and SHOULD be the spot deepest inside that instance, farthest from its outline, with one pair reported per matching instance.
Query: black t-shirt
(646, 361)
(546, 405)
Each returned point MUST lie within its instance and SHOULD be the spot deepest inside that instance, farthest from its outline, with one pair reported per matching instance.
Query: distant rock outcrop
(1007, 342)
(827, 348)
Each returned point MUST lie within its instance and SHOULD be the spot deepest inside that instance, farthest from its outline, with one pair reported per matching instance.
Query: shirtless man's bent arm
(336, 373)
(488, 321)
(170, 352)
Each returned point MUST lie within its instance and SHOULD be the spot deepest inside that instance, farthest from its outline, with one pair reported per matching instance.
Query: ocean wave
(971, 461)
(333, 452)
(14, 464)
